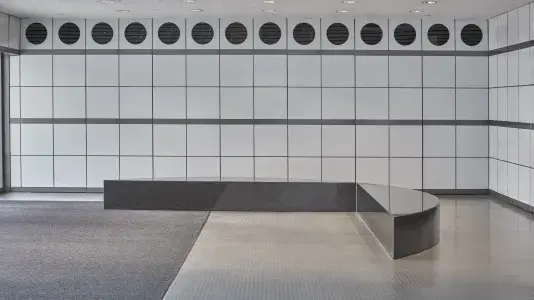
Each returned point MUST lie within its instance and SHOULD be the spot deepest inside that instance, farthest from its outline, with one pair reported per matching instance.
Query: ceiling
(459, 9)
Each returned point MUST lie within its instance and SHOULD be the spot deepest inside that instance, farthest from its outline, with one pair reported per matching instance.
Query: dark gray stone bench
(404, 221)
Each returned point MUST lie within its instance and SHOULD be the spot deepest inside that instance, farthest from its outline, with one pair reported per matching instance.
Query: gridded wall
(512, 105)
(307, 107)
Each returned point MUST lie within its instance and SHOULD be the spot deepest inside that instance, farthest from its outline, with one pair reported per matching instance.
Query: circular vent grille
(304, 34)
(471, 35)
(337, 34)
(102, 33)
(405, 34)
(36, 33)
(236, 33)
(135, 33)
(270, 33)
(69, 33)
(438, 34)
(202, 33)
(169, 33)
(371, 34)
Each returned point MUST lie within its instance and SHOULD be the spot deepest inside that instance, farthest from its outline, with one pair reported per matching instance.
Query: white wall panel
(36, 102)
(472, 141)
(439, 141)
(525, 76)
(304, 103)
(170, 140)
(493, 32)
(37, 171)
(304, 140)
(203, 140)
(135, 102)
(36, 70)
(169, 102)
(69, 70)
(513, 27)
(237, 168)
(406, 103)
(513, 104)
(339, 140)
(372, 71)
(202, 70)
(237, 103)
(271, 169)
(168, 70)
(270, 140)
(270, 103)
(438, 71)
(304, 70)
(203, 168)
(524, 23)
(203, 103)
(372, 141)
(70, 171)
(372, 170)
(4, 31)
(69, 102)
(439, 104)
(439, 173)
(237, 140)
(102, 70)
(502, 31)
(338, 103)
(406, 141)
(472, 72)
(524, 185)
(102, 102)
(237, 70)
(406, 172)
(304, 169)
(372, 103)
(170, 167)
(471, 104)
(472, 173)
(102, 139)
(135, 139)
(69, 139)
(337, 71)
(14, 32)
(406, 71)
(513, 184)
(338, 170)
(135, 167)
(135, 70)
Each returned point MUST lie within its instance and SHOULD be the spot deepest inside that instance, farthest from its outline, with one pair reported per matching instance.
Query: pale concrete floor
(486, 252)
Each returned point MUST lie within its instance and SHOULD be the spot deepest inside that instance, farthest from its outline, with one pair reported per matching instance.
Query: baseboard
(456, 191)
(56, 190)
(512, 201)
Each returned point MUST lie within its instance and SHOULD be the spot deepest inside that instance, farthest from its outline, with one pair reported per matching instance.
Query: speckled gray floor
(79, 251)
(486, 252)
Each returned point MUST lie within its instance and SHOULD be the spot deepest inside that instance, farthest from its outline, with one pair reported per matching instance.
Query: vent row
(269, 33)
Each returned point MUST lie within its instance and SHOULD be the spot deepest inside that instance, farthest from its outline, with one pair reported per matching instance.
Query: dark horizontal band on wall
(526, 207)
(456, 191)
(507, 124)
(511, 48)
(252, 122)
(252, 52)
(8, 50)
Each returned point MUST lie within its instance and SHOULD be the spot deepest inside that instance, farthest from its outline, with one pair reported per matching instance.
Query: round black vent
(36, 33)
(236, 33)
(471, 35)
(135, 33)
(169, 33)
(438, 34)
(270, 33)
(202, 33)
(405, 34)
(371, 34)
(304, 34)
(337, 34)
(69, 33)
(102, 33)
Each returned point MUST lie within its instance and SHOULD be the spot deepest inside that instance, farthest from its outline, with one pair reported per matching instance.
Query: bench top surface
(400, 201)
